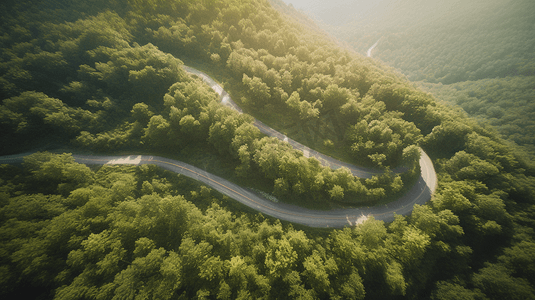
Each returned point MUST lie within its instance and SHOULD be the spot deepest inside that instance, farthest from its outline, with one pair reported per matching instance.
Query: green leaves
(448, 137)
(394, 278)
(317, 271)
(304, 109)
(259, 92)
(382, 142)
(337, 193)
(496, 281)
(154, 275)
(33, 208)
(57, 173)
(280, 257)
(31, 110)
(451, 291)
(141, 113)
(468, 166)
(156, 133)
(127, 233)
(443, 225)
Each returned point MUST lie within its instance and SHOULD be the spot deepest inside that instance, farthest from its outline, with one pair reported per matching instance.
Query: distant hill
(459, 43)
(449, 41)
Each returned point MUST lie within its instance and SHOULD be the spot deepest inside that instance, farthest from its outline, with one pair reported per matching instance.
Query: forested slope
(106, 76)
(106, 95)
(475, 54)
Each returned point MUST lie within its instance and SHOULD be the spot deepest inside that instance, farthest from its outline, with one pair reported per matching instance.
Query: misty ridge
(474, 54)
(109, 77)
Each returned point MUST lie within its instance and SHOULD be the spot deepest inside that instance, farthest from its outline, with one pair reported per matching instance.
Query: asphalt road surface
(324, 159)
(420, 193)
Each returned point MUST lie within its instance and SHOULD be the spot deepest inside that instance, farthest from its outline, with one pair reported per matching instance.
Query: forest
(107, 77)
(474, 54)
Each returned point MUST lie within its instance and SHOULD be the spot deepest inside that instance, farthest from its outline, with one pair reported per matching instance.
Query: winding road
(307, 152)
(420, 193)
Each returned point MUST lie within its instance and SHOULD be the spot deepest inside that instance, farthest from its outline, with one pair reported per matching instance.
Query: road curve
(420, 193)
(307, 152)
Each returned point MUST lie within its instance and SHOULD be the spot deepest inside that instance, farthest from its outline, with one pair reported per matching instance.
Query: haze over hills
(338, 12)
(475, 54)
(108, 76)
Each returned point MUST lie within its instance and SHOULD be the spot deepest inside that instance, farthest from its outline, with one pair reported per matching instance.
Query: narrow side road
(369, 52)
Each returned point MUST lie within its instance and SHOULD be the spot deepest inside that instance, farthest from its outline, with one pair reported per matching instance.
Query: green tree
(446, 291)
(57, 173)
(334, 97)
(317, 272)
(448, 137)
(336, 193)
(156, 133)
(496, 282)
(141, 113)
(245, 158)
(259, 92)
(280, 257)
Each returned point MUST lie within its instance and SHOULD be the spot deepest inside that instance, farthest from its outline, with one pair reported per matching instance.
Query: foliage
(109, 94)
(504, 103)
(466, 54)
(134, 232)
(104, 80)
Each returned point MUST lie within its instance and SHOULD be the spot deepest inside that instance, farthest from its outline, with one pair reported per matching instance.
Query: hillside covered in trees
(107, 76)
(475, 54)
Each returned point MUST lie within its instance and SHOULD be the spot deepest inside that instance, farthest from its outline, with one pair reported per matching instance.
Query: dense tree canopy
(115, 232)
(107, 76)
(475, 54)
